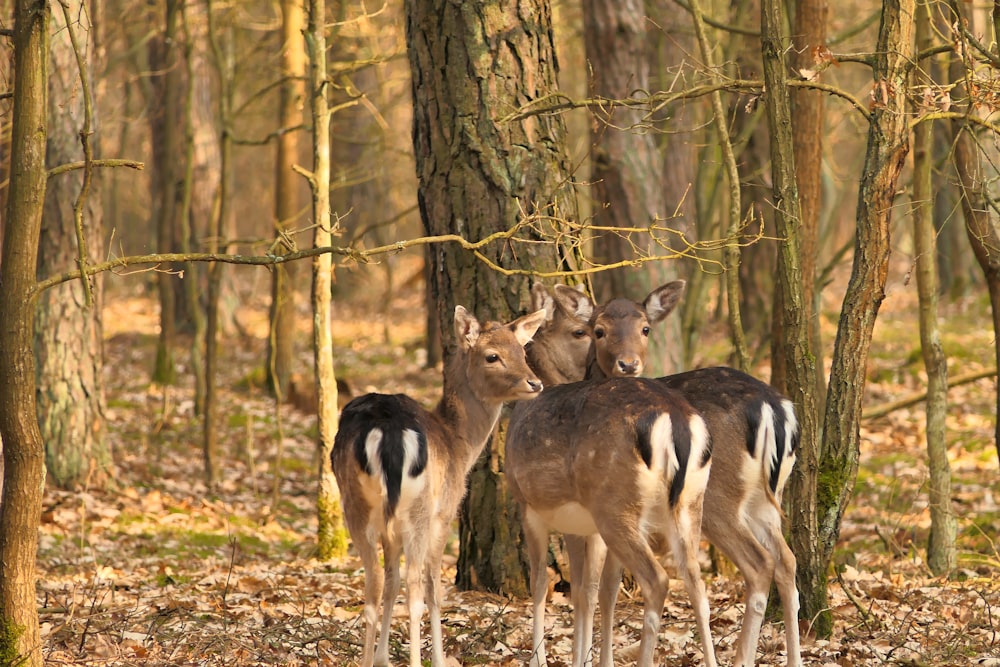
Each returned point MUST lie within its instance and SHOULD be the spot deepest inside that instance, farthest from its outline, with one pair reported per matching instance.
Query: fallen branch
(912, 399)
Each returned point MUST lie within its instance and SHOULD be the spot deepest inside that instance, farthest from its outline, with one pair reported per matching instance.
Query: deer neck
(468, 418)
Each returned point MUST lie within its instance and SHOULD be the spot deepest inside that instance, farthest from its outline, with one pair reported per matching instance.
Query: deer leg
(374, 583)
(536, 537)
(434, 590)
(586, 557)
(684, 543)
(784, 576)
(634, 552)
(390, 554)
(416, 564)
(611, 580)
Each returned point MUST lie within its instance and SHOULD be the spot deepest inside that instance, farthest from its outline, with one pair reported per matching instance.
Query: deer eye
(598, 333)
(645, 331)
(492, 358)
(580, 333)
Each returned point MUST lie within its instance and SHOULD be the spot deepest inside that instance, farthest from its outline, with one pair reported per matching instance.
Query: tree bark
(23, 453)
(166, 143)
(796, 356)
(331, 533)
(626, 168)
(68, 329)
(888, 145)
(287, 207)
(942, 556)
(981, 226)
(471, 64)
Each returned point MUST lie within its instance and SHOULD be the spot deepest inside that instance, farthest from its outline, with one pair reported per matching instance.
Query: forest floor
(159, 570)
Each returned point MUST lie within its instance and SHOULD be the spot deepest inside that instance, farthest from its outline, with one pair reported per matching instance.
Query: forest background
(619, 146)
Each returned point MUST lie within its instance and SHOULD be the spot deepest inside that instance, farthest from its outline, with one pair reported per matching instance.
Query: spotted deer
(622, 462)
(402, 471)
(754, 435)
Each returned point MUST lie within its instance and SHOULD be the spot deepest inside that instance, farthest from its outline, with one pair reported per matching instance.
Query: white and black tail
(773, 439)
(388, 443)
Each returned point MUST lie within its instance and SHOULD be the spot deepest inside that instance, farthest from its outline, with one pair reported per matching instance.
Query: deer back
(619, 442)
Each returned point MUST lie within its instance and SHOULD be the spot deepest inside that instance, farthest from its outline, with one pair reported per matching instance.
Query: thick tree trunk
(942, 556)
(796, 357)
(479, 176)
(68, 331)
(626, 168)
(331, 533)
(287, 207)
(23, 454)
(888, 145)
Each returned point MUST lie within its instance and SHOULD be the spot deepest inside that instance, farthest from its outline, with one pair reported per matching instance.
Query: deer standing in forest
(402, 471)
(754, 436)
(622, 462)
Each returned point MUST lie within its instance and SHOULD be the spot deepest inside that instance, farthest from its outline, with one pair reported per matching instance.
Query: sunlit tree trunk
(69, 333)
(888, 145)
(626, 169)
(23, 454)
(287, 205)
(478, 176)
(332, 536)
(942, 556)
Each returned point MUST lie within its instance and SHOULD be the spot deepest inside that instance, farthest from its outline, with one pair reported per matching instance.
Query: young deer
(622, 462)
(754, 436)
(402, 470)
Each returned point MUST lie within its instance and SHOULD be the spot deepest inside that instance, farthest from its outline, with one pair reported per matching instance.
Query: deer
(618, 465)
(754, 434)
(402, 471)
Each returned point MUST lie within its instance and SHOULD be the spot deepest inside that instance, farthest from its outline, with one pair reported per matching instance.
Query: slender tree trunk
(888, 145)
(331, 536)
(796, 355)
(626, 169)
(479, 176)
(287, 206)
(220, 223)
(23, 453)
(68, 329)
(166, 134)
(942, 556)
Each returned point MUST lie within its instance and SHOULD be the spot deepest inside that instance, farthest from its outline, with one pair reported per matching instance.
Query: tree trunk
(796, 356)
(981, 227)
(808, 46)
(478, 176)
(626, 168)
(287, 207)
(888, 144)
(331, 533)
(942, 556)
(166, 144)
(23, 454)
(68, 330)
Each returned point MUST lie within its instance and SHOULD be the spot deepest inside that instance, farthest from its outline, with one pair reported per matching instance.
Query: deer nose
(535, 386)
(629, 367)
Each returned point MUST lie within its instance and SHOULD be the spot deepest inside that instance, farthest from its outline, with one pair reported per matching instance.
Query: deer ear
(575, 301)
(541, 299)
(466, 328)
(662, 301)
(525, 327)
